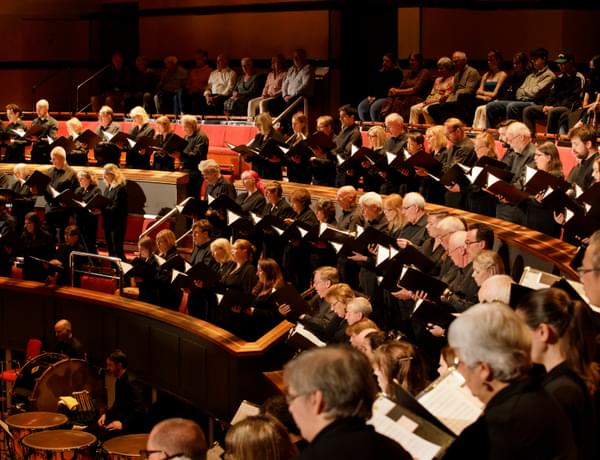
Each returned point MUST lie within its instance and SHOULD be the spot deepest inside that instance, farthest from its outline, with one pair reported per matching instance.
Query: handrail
(184, 235)
(88, 255)
(176, 209)
(49, 76)
(288, 110)
(85, 82)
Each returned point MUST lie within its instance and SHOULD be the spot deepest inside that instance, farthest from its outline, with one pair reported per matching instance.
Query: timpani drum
(59, 445)
(21, 425)
(125, 447)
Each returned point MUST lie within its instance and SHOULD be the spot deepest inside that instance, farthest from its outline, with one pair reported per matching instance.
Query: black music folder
(65, 198)
(242, 149)
(98, 201)
(225, 202)
(199, 272)
(301, 149)
(454, 175)
(8, 194)
(591, 196)
(89, 138)
(409, 256)
(175, 143)
(288, 294)
(193, 207)
(234, 298)
(38, 180)
(32, 131)
(63, 142)
(426, 312)
(537, 181)
(517, 293)
(322, 140)
(119, 138)
(510, 193)
(415, 280)
(424, 161)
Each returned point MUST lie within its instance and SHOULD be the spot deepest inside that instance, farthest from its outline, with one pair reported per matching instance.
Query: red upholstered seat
(95, 283)
(34, 348)
(183, 305)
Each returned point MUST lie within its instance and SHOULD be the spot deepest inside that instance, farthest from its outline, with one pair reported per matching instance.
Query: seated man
(66, 343)
(127, 411)
(220, 86)
(297, 83)
(534, 88)
(565, 95)
(330, 393)
(197, 82)
(177, 436)
(115, 84)
(168, 98)
(387, 77)
(461, 101)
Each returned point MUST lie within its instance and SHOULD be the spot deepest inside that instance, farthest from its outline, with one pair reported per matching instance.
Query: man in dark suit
(62, 178)
(48, 129)
(126, 413)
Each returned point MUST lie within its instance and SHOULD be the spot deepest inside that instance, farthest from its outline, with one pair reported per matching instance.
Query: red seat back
(34, 348)
(95, 283)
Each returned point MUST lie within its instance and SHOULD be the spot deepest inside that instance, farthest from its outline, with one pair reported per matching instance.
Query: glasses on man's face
(145, 454)
(450, 133)
(583, 271)
(290, 398)
(469, 242)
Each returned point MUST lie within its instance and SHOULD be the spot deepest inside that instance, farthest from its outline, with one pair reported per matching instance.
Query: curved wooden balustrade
(198, 362)
(551, 250)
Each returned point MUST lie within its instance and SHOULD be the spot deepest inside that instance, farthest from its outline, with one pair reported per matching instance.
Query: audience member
(273, 86)
(298, 83)
(197, 82)
(246, 88)
(169, 91)
(442, 87)
(220, 86)
(381, 82)
(115, 84)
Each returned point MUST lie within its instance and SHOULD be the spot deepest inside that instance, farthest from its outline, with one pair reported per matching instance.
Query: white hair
(360, 305)
(414, 199)
(495, 289)
(371, 199)
(492, 333)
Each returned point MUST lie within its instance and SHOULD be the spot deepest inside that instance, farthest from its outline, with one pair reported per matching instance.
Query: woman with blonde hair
(137, 157)
(161, 159)
(392, 208)
(78, 155)
(114, 215)
(259, 437)
(477, 200)
(268, 166)
(166, 244)
(398, 362)
(298, 166)
(85, 220)
(272, 88)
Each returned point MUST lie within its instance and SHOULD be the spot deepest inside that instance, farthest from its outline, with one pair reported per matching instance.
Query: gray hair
(179, 436)
(450, 224)
(495, 289)
(208, 166)
(492, 333)
(371, 199)
(189, 120)
(518, 129)
(594, 247)
(360, 305)
(341, 374)
(414, 199)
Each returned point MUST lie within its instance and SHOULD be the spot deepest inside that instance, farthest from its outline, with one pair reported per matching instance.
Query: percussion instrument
(21, 425)
(43, 379)
(59, 445)
(125, 447)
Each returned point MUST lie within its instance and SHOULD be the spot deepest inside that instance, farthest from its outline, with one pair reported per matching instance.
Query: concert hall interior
(255, 229)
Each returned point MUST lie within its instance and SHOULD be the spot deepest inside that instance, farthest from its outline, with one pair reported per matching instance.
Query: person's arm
(231, 81)
(472, 80)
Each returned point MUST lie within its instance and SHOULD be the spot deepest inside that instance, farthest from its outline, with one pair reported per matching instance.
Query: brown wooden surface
(200, 363)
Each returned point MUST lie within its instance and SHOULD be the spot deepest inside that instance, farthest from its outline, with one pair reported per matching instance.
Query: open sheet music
(449, 399)
(403, 430)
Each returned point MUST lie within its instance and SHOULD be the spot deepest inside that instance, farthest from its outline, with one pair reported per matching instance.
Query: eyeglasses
(450, 133)
(146, 454)
(290, 398)
(582, 271)
(408, 207)
(468, 242)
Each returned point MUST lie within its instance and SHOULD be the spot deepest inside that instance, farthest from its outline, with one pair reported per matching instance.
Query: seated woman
(563, 341)
(442, 87)
(489, 87)
(143, 281)
(168, 295)
(267, 166)
(298, 165)
(78, 155)
(105, 151)
(520, 419)
(163, 160)
(479, 201)
(414, 88)
(399, 362)
(538, 216)
(139, 157)
(272, 88)
(38, 243)
(296, 254)
(246, 88)
(259, 437)
(87, 221)
(262, 316)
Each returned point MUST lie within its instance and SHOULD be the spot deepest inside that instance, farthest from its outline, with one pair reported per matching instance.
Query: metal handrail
(49, 76)
(176, 209)
(184, 235)
(85, 82)
(90, 271)
(288, 110)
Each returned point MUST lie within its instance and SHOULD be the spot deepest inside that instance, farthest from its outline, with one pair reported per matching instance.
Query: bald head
(62, 330)
(495, 289)
(178, 436)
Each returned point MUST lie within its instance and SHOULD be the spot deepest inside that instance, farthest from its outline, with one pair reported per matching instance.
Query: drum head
(30, 373)
(59, 440)
(37, 420)
(126, 446)
(62, 379)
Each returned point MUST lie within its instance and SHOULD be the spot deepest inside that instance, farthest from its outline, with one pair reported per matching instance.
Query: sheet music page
(452, 402)
(300, 329)
(246, 409)
(419, 448)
